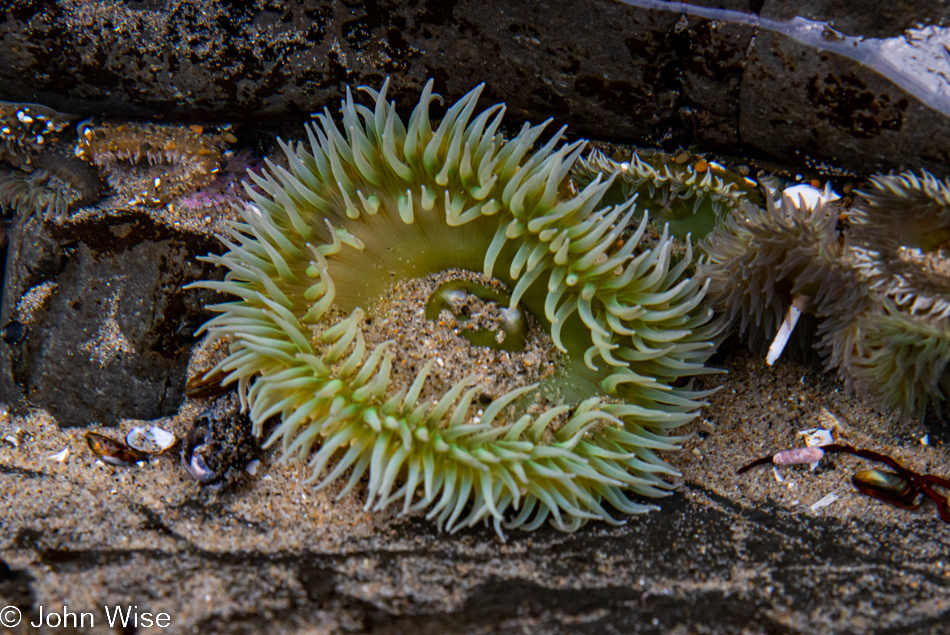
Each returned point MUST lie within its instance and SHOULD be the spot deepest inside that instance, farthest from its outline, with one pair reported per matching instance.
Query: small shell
(151, 440)
(207, 385)
(824, 502)
(220, 445)
(112, 451)
(887, 486)
(817, 437)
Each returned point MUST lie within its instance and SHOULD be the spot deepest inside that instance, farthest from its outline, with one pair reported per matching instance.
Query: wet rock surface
(108, 327)
(812, 107)
(609, 70)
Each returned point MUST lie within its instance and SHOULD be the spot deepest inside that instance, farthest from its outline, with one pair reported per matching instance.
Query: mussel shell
(889, 487)
(206, 386)
(112, 451)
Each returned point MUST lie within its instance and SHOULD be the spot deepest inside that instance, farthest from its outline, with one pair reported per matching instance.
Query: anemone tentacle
(875, 276)
(373, 200)
(693, 201)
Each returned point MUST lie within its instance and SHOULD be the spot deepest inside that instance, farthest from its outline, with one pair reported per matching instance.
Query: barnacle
(342, 251)
(25, 128)
(691, 196)
(150, 163)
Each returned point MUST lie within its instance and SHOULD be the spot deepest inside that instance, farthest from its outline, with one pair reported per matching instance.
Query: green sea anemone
(377, 225)
(692, 195)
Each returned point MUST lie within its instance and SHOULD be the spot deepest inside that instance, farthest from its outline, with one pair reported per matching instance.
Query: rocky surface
(608, 69)
(726, 554)
(108, 327)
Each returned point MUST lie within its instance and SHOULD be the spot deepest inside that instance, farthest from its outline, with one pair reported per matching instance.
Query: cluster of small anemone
(152, 164)
(373, 201)
(873, 280)
(691, 194)
(38, 176)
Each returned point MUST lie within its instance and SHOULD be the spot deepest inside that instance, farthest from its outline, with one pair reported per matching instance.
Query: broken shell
(889, 487)
(151, 440)
(207, 385)
(112, 451)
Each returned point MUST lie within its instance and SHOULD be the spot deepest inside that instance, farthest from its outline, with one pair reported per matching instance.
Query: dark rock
(608, 69)
(112, 338)
(703, 565)
(800, 106)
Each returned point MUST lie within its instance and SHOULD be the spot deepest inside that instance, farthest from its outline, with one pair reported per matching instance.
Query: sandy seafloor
(90, 534)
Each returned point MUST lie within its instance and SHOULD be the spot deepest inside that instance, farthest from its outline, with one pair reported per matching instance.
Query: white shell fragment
(61, 456)
(824, 502)
(805, 195)
(152, 440)
(778, 476)
(784, 332)
(817, 437)
(251, 467)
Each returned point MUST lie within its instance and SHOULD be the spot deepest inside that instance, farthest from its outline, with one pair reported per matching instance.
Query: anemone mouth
(466, 337)
(371, 220)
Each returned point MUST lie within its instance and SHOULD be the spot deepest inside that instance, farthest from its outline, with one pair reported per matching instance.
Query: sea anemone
(692, 195)
(35, 192)
(903, 210)
(875, 282)
(901, 229)
(900, 360)
(151, 163)
(899, 350)
(764, 258)
(377, 225)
